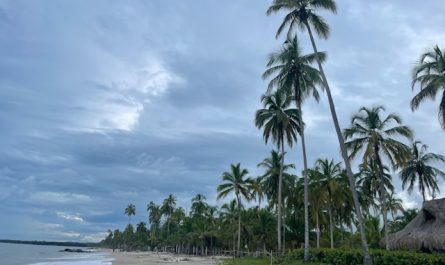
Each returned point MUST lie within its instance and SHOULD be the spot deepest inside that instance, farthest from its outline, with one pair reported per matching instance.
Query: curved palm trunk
(306, 199)
(280, 190)
(366, 257)
(239, 225)
(382, 196)
(284, 231)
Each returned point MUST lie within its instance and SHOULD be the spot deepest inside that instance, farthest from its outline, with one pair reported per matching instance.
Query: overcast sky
(105, 103)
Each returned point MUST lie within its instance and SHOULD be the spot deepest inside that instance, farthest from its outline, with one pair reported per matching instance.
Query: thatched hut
(425, 232)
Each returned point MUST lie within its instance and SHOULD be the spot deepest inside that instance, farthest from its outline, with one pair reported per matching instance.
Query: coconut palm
(302, 14)
(394, 205)
(369, 181)
(329, 176)
(317, 199)
(279, 122)
(154, 217)
(419, 169)
(199, 205)
(130, 210)
(168, 206)
(376, 137)
(429, 73)
(236, 181)
(270, 179)
(291, 70)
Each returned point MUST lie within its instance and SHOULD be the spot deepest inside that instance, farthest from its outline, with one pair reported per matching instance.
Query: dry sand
(152, 258)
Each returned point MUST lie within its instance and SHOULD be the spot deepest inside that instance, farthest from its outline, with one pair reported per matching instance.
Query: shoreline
(153, 258)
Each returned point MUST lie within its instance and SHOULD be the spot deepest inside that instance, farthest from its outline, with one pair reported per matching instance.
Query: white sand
(151, 258)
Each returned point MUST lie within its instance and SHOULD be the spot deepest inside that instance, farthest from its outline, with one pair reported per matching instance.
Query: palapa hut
(425, 232)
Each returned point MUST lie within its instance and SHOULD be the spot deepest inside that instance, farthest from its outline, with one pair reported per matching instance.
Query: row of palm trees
(292, 73)
(234, 225)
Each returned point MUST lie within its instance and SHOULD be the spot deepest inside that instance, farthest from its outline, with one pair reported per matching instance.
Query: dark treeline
(49, 243)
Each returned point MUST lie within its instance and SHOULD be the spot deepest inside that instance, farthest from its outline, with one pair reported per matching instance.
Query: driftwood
(426, 232)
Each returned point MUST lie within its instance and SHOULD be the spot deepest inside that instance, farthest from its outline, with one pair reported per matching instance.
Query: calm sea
(18, 254)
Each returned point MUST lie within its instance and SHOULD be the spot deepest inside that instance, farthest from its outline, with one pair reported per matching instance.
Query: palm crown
(302, 12)
(430, 75)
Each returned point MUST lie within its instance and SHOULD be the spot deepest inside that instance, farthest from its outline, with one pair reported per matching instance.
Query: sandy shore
(151, 258)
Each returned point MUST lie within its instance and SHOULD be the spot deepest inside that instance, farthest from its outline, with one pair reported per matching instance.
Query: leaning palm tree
(279, 122)
(291, 70)
(236, 181)
(376, 137)
(130, 210)
(395, 205)
(419, 169)
(429, 73)
(302, 14)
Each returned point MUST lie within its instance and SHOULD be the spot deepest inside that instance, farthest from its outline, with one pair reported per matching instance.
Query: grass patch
(263, 261)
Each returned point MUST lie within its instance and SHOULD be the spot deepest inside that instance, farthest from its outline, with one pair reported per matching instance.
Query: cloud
(71, 217)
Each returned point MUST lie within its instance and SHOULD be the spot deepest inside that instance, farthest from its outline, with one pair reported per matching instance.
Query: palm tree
(270, 179)
(330, 178)
(236, 181)
(199, 205)
(280, 123)
(395, 205)
(317, 199)
(293, 72)
(419, 169)
(167, 209)
(302, 14)
(130, 210)
(376, 137)
(154, 217)
(429, 73)
(369, 180)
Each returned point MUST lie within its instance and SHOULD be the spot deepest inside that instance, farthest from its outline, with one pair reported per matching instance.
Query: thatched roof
(425, 232)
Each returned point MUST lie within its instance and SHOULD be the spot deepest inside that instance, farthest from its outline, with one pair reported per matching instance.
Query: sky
(106, 103)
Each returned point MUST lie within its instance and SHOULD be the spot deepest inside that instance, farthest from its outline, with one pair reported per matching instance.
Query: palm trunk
(280, 187)
(382, 196)
(306, 200)
(366, 257)
(239, 225)
(318, 230)
(284, 231)
(331, 225)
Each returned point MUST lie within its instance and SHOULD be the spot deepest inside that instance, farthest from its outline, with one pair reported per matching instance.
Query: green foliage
(263, 261)
(381, 257)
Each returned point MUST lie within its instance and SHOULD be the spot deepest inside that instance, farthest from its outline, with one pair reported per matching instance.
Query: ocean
(18, 254)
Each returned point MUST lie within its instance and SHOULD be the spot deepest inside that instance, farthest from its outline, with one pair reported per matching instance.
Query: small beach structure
(425, 232)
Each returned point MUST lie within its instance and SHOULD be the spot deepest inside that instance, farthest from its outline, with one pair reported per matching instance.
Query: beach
(152, 258)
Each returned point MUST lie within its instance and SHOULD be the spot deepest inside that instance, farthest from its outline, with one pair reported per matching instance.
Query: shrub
(380, 257)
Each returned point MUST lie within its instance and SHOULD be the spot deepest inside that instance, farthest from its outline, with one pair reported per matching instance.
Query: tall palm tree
(154, 217)
(130, 210)
(429, 73)
(168, 206)
(293, 71)
(279, 122)
(236, 181)
(302, 14)
(376, 137)
(419, 169)
(331, 179)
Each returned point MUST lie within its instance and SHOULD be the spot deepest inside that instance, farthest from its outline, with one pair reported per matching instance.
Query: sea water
(19, 254)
